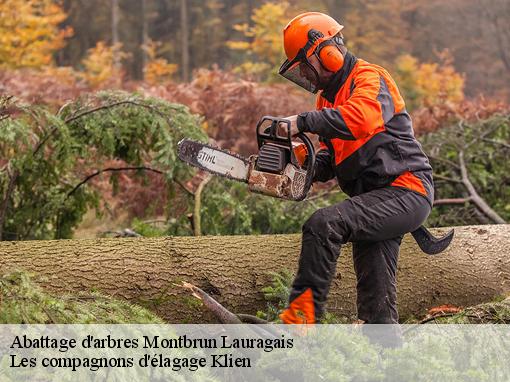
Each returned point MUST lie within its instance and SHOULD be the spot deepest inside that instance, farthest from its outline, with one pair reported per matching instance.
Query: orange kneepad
(301, 310)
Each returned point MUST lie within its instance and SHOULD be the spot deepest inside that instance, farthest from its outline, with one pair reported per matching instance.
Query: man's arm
(323, 169)
(369, 107)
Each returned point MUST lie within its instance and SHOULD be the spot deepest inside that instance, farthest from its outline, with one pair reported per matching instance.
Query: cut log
(234, 269)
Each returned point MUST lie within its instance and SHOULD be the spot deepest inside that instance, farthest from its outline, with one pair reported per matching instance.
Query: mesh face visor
(301, 72)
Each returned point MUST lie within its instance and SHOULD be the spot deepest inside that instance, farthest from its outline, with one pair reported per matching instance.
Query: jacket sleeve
(323, 169)
(369, 107)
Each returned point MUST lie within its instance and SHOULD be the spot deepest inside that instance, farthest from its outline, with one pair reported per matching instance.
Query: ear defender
(328, 53)
(330, 56)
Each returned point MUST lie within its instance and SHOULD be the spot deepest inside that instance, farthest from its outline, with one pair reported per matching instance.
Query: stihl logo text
(204, 157)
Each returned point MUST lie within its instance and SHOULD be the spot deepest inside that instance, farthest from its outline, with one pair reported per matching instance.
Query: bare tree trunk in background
(500, 21)
(184, 40)
(336, 9)
(145, 35)
(249, 11)
(115, 29)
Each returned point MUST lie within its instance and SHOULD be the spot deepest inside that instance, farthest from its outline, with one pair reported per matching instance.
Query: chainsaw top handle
(271, 133)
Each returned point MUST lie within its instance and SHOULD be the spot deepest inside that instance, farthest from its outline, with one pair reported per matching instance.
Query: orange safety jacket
(366, 134)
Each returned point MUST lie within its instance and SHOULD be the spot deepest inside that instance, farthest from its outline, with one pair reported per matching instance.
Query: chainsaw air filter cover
(272, 158)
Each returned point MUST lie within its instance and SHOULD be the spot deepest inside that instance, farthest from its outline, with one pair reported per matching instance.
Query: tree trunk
(145, 33)
(184, 40)
(234, 269)
(115, 30)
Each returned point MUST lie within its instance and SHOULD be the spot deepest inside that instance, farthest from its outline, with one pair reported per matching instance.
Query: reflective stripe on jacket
(366, 134)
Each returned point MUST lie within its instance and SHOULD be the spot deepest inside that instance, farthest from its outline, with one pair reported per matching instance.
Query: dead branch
(446, 178)
(493, 141)
(474, 196)
(220, 312)
(442, 202)
(446, 161)
(197, 226)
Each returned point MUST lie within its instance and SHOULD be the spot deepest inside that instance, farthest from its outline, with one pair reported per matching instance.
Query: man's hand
(293, 126)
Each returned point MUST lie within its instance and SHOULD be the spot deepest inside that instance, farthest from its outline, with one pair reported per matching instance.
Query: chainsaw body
(282, 168)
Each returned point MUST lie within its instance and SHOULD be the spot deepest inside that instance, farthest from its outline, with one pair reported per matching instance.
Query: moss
(191, 302)
(23, 301)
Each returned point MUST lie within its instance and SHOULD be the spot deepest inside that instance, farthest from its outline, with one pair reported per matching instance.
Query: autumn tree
(374, 30)
(428, 84)
(156, 69)
(30, 32)
(264, 50)
(101, 65)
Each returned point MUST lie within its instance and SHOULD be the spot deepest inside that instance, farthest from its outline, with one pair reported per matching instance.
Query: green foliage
(229, 208)
(277, 295)
(485, 147)
(24, 302)
(46, 158)
(147, 229)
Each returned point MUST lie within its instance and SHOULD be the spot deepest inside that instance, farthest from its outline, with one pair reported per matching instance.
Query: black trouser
(375, 222)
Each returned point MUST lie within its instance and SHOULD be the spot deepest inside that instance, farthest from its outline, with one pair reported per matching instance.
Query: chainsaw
(282, 168)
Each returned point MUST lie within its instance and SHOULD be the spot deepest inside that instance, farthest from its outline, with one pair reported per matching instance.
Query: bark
(234, 269)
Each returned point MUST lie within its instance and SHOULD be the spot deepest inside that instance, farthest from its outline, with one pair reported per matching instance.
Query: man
(367, 143)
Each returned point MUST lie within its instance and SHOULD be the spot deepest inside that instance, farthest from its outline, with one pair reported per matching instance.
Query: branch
(5, 201)
(93, 110)
(220, 312)
(433, 318)
(197, 226)
(475, 197)
(110, 169)
(482, 136)
(437, 176)
(442, 202)
(453, 164)
(497, 142)
(186, 189)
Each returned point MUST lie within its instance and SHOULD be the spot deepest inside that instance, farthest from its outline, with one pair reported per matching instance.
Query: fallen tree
(234, 269)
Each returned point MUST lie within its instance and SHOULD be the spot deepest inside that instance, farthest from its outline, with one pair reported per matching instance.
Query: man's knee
(326, 224)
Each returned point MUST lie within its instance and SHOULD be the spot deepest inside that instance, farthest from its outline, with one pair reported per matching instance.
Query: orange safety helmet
(311, 33)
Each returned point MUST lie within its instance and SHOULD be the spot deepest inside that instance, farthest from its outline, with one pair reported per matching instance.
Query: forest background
(92, 96)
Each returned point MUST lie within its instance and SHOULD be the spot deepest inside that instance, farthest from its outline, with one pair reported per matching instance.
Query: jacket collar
(339, 78)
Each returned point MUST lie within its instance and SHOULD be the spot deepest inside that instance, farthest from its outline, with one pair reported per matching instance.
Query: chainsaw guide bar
(214, 160)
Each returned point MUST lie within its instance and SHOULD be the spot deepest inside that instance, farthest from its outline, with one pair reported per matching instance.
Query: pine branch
(110, 169)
